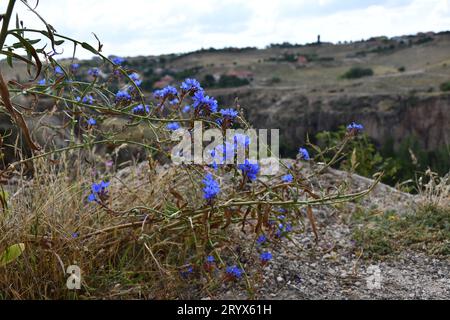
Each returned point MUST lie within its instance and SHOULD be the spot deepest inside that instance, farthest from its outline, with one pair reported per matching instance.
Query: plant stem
(6, 19)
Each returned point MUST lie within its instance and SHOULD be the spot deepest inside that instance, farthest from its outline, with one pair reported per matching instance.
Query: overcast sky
(149, 27)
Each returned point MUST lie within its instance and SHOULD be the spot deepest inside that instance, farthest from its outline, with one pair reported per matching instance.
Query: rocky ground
(334, 268)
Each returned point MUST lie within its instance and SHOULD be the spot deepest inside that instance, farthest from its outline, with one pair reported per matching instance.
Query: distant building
(241, 74)
(163, 82)
(302, 61)
(401, 39)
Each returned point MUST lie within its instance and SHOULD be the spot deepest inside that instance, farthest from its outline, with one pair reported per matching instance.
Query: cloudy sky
(148, 27)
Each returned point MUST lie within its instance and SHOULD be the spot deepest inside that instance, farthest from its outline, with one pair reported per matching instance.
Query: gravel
(331, 268)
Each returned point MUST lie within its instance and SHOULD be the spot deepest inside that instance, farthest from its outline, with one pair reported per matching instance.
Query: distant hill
(394, 86)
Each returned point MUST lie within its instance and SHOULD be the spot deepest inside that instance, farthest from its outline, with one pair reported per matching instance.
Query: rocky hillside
(402, 97)
(388, 118)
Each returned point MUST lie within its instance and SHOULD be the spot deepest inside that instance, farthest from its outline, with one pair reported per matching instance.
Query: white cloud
(145, 27)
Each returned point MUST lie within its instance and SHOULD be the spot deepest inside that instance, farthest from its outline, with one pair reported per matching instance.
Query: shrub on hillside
(357, 72)
(445, 86)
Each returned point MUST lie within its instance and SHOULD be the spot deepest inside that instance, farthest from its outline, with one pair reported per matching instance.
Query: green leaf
(88, 47)
(11, 254)
(9, 61)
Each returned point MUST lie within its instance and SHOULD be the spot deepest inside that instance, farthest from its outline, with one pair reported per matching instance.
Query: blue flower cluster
(283, 228)
(191, 85)
(265, 257)
(204, 103)
(211, 187)
(74, 67)
(98, 190)
(229, 113)
(303, 154)
(92, 122)
(287, 178)
(94, 72)
(261, 239)
(173, 126)
(222, 153)
(123, 96)
(249, 169)
(141, 109)
(88, 99)
(136, 79)
(234, 271)
(241, 140)
(355, 127)
(118, 60)
(167, 92)
(59, 71)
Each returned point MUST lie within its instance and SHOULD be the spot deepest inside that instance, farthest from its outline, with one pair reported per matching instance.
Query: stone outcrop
(385, 117)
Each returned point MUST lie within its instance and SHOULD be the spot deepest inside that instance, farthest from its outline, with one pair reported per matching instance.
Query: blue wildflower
(288, 227)
(187, 271)
(173, 126)
(283, 229)
(91, 197)
(355, 127)
(118, 60)
(190, 85)
(86, 99)
(261, 239)
(241, 139)
(94, 72)
(74, 67)
(92, 122)
(186, 109)
(98, 191)
(287, 178)
(211, 187)
(134, 76)
(174, 102)
(59, 71)
(136, 79)
(223, 153)
(265, 257)
(167, 92)
(229, 113)
(304, 154)
(204, 103)
(234, 271)
(210, 259)
(141, 109)
(42, 82)
(249, 169)
(75, 235)
(122, 95)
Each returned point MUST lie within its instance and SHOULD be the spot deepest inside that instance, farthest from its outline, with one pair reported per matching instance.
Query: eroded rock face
(385, 117)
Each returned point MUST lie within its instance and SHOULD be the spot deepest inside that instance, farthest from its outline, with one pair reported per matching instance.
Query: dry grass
(118, 248)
